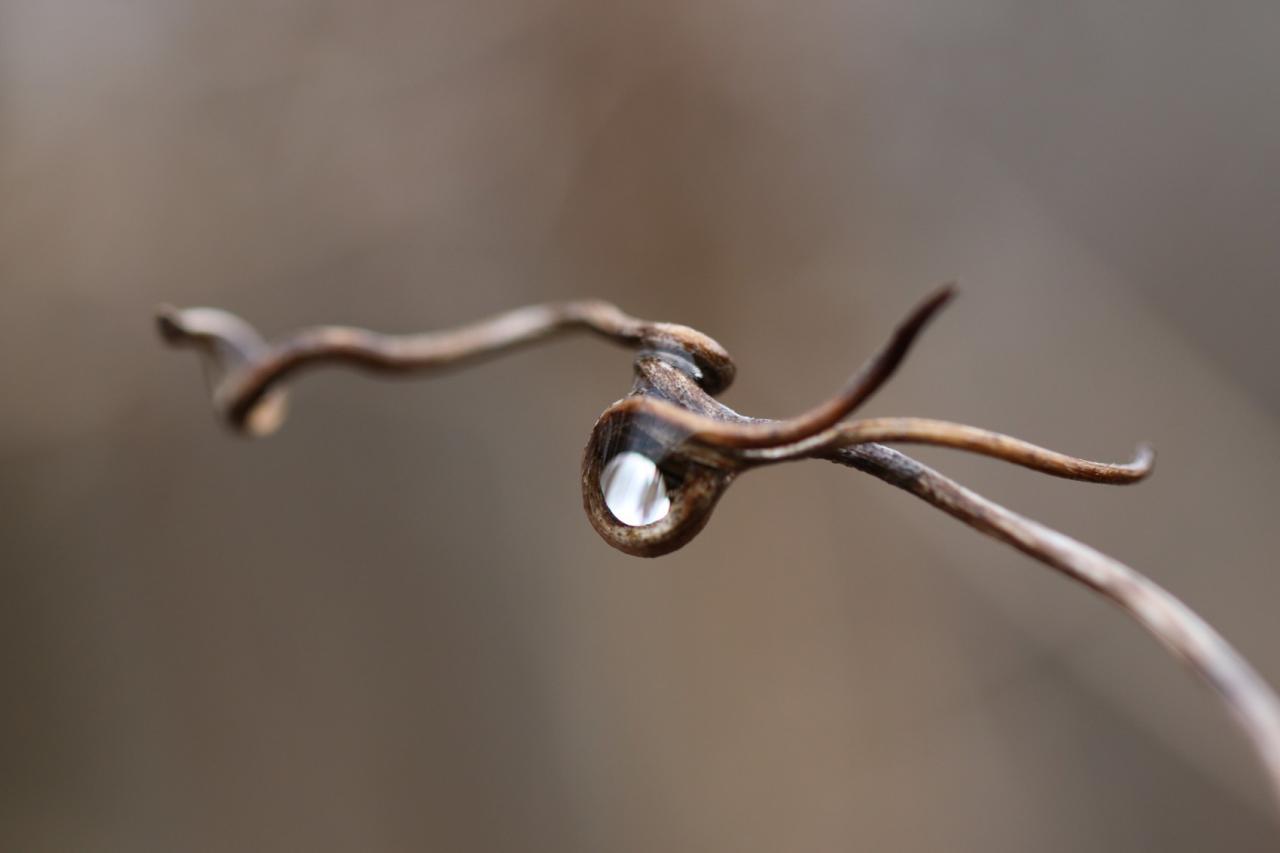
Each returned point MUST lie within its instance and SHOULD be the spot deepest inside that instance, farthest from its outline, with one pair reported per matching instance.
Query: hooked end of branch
(1143, 463)
(227, 346)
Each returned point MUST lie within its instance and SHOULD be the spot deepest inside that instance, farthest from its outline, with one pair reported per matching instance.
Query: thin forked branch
(679, 370)
(705, 431)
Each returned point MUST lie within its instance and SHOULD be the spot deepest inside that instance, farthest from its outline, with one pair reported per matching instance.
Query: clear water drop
(634, 490)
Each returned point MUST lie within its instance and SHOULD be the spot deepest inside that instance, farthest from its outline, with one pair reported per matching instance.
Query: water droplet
(634, 490)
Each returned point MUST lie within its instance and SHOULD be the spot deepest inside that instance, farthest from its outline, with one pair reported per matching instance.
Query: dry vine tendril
(659, 459)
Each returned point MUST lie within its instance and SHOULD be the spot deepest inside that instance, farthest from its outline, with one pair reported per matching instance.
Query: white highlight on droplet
(634, 490)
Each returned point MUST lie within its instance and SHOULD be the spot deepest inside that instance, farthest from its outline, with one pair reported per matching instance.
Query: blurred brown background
(391, 628)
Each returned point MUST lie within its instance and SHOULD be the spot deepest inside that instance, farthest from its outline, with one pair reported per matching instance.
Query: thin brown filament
(960, 437)
(701, 430)
(251, 368)
(865, 382)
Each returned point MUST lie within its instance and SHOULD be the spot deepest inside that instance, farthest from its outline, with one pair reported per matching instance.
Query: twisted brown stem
(245, 370)
(703, 445)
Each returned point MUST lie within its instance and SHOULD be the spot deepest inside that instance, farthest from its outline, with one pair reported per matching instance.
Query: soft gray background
(390, 626)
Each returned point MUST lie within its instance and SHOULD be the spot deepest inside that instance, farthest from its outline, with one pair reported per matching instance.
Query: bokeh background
(390, 627)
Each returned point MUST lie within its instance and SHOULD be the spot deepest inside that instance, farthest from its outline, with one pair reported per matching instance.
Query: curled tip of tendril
(660, 459)
(230, 349)
(1143, 462)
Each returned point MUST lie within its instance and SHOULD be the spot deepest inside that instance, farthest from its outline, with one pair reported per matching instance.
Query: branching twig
(659, 460)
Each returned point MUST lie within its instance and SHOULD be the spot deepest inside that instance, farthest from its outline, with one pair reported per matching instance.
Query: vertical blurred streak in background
(390, 628)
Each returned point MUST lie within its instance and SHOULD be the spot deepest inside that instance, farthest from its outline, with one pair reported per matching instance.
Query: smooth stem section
(959, 437)
(1178, 628)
